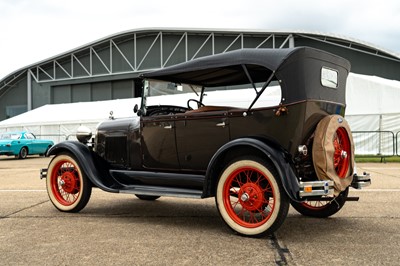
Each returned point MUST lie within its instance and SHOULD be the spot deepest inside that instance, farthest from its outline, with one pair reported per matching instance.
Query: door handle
(222, 124)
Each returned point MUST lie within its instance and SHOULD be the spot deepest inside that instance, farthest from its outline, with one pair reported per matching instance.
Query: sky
(34, 30)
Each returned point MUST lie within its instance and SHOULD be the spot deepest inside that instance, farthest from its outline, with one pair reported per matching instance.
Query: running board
(162, 191)
(316, 188)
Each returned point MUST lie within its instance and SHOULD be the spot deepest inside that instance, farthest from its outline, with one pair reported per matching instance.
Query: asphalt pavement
(119, 229)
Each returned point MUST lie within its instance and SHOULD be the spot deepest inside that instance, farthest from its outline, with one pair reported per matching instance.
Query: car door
(199, 136)
(158, 142)
(29, 141)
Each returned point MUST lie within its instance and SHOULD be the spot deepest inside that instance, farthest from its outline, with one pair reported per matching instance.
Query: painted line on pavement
(22, 190)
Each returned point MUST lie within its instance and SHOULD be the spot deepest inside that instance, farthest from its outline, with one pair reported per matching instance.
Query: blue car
(22, 144)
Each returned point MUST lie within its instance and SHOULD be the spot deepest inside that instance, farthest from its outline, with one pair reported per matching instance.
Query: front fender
(88, 163)
(273, 152)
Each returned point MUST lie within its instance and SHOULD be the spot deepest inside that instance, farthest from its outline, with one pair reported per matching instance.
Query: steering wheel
(199, 104)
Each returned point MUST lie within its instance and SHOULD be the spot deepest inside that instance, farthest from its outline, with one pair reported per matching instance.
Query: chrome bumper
(316, 188)
(360, 181)
(43, 173)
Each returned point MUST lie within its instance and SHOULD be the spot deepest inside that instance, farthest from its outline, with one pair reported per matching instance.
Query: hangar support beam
(139, 52)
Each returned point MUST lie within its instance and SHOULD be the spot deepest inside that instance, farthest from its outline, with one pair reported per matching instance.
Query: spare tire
(333, 152)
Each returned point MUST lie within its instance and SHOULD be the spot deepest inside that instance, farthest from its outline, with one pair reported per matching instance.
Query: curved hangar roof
(199, 42)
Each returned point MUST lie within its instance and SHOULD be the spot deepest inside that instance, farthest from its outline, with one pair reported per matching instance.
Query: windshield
(159, 88)
(159, 93)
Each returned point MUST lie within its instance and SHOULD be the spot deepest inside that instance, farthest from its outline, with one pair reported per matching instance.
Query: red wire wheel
(65, 183)
(333, 152)
(250, 198)
(68, 189)
(342, 145)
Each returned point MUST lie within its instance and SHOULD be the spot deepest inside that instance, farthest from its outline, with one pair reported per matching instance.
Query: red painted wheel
(333, 152)
(68, 188)
(342, 146)
(250, 198)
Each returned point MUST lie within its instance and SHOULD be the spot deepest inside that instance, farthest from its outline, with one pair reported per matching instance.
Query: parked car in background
(257, 129)
(21, 144)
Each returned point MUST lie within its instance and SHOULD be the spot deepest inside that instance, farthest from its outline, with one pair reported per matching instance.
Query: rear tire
(321, 209)
(67, 185)
(250, 197)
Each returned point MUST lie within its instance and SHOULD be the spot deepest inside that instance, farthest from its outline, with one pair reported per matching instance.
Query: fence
(376, 143)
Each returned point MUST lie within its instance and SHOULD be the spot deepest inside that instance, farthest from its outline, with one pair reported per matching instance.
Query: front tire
(68, 187)
(250, 197)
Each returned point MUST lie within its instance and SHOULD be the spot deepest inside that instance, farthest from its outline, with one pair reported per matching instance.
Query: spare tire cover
(333, 152)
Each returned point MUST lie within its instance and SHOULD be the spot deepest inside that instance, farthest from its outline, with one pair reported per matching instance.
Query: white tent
(373, 103)
(60, 121)
(373, 106)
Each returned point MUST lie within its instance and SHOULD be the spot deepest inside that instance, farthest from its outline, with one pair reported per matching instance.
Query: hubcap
(244, 197)
(69, 183)
(251, 196)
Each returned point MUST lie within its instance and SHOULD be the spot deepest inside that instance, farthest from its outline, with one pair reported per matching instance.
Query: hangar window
(14, 110)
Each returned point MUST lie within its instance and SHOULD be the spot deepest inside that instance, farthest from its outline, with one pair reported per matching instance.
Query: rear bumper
(360, 181)
(316, 188)
(325, 188)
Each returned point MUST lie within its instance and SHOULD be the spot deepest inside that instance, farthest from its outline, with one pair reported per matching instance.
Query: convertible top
(298, 70)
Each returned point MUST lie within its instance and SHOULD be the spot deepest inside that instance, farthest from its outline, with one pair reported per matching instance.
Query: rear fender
(272, 152)
(91, 166)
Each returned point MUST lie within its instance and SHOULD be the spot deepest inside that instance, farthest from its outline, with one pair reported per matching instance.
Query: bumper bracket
(360, 181)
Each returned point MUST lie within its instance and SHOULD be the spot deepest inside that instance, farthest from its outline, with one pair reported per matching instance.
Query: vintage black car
(258, 129)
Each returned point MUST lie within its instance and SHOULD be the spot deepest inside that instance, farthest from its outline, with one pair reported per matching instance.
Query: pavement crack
(23, 209)
(282, 253)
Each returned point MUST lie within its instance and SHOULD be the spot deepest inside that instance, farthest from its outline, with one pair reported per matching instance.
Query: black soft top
(297, 69)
